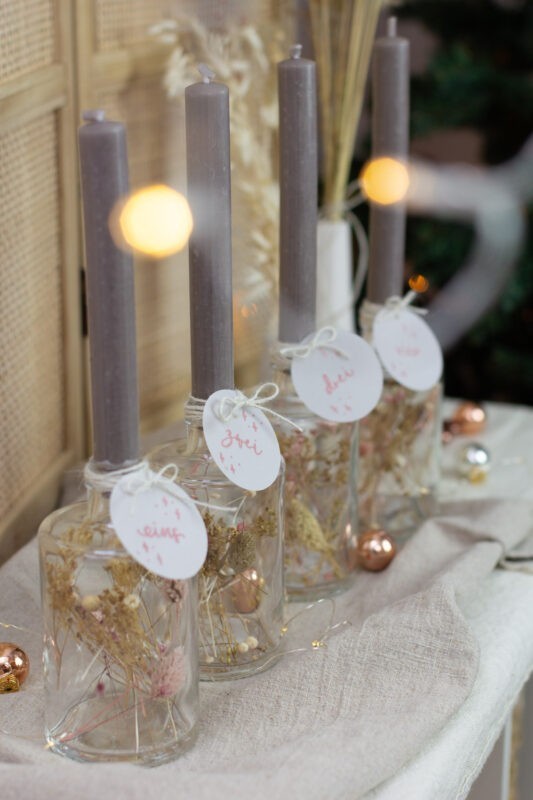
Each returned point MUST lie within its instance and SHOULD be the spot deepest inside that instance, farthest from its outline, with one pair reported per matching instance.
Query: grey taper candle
(209, 190)
(110, 294)
(390, 137)
(298, 178)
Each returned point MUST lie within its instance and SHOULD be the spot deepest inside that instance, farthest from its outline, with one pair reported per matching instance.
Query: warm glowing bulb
(155, 221)
(385, 180)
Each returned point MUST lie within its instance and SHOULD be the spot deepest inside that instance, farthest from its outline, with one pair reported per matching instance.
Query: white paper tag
(244, 447)
(159, 525)
(408, 348)
(340, 387)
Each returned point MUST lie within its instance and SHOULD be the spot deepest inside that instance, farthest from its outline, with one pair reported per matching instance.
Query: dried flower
(396, 447)
(168, 675)
(174, 590)
(132, 601)
(241, 553)
(233, 549)
(90, 602)
(317, 500)
(125, 572)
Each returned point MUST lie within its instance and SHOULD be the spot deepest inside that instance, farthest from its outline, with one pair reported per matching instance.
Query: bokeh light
(384, 180)
(418, 283)
(155, 221)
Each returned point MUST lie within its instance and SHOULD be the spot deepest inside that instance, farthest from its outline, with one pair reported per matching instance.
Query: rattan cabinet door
(41, 419)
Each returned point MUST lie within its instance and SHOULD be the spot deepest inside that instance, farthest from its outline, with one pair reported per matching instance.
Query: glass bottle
(319, 498)
(240, 612)
(399, 455)
(120, 643)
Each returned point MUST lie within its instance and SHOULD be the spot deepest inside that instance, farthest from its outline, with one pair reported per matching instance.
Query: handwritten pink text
(407, 352)
(153, 532)
(231, 439)
(332, 385)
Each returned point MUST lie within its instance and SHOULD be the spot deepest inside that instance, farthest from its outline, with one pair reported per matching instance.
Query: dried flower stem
(397, 449)
(318, 504)
(115, 624)
(343, 35)
(234, 547)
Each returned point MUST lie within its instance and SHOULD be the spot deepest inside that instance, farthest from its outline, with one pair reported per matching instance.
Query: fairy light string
(317, 641)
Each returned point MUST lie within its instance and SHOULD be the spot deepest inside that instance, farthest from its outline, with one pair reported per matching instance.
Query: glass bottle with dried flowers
(240, 614)
(400, 440)
(399, 459)
(320, 504)
(320, 514)
(120, 642)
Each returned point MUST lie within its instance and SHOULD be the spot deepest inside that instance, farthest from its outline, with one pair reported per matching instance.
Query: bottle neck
(194, 426)
(367, 315)
(100, 482)
(281, 371)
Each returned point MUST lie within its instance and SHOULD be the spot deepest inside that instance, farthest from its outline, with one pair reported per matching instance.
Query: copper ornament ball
(375, 550)
(246, 590)
(14, 667)
(469, 418)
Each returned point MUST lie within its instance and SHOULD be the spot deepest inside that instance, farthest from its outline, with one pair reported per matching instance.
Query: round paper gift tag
(408, 348)
(159, 525)
(241, 440)
(341, 381)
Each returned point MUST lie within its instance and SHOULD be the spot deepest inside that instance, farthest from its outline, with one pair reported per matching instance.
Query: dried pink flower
(168, 675)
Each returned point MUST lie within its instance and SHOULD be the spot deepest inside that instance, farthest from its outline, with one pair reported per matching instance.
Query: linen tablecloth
(406, 701)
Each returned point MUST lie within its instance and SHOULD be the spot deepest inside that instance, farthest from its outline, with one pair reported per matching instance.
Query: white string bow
(230, 405)
(322, 338)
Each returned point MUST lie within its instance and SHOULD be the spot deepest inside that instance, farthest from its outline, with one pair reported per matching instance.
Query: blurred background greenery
(473, 101)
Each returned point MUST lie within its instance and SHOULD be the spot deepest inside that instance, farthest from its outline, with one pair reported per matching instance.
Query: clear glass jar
(320, 501)
(120, 643)
(241, 591)
(399, 459)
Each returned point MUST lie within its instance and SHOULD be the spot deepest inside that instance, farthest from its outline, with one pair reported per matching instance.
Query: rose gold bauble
(470, 418)
(245, 591)
(14, 666)
(375, 550)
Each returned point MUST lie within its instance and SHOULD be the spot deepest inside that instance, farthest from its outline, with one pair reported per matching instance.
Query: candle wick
(206, 73)
(392, 26)
(296, 51)
(93, 115)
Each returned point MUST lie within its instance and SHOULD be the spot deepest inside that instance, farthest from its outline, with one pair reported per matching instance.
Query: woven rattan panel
(27, 36)
(31, 333)
(120, 23)
(155, 148)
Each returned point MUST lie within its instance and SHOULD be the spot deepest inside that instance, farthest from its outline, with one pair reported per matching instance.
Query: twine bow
(395, 303)
(322, 338)
(105, 481)
(140, 483)
(150, 479)
(229, 406)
